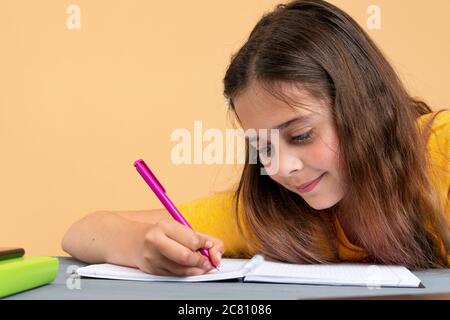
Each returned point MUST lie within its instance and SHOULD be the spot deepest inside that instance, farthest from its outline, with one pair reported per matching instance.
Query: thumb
(215, 242)
(206, 241)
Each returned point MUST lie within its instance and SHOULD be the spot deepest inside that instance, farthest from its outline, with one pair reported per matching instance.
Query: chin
(321, 205)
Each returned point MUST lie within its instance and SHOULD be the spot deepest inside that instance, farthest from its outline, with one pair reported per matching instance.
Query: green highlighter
(23, 273)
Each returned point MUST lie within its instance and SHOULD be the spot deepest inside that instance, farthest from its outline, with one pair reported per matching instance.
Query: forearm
(104, 237)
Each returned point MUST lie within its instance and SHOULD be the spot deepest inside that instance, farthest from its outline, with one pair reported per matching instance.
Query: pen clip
(140, 164)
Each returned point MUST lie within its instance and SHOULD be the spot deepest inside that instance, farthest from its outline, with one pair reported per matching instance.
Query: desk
(435, 281)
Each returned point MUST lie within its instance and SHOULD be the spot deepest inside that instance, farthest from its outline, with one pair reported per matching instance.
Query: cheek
(323, 154)
(320, 156)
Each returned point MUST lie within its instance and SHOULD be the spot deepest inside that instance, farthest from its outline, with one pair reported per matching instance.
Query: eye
(303, 138)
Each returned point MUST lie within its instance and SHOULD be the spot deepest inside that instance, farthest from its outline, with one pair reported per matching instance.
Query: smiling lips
(306, 187)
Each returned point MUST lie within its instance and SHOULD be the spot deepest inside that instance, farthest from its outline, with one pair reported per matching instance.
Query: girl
(363, 168)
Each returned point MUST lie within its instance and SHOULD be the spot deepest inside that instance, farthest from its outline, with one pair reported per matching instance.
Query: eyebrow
(299, 119)
(292, 121)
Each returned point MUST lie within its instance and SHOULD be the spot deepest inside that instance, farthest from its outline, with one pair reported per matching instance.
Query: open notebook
(259, 270)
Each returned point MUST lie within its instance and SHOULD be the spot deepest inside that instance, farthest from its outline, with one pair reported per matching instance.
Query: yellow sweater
(215, 215)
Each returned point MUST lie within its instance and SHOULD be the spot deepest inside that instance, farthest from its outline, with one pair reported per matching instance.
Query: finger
(180, 270)
(216, 251)
(215, 254)
(163, 266)
(156, 271)
(178, 253)
(216, 241)
(187, 237)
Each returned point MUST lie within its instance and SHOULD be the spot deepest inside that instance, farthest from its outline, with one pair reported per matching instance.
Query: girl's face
(307, 144)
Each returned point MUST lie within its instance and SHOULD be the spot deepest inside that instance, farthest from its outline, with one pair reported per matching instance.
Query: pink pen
(160, 192)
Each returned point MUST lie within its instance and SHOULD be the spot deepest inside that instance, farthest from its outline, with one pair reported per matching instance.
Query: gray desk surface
(65, 287)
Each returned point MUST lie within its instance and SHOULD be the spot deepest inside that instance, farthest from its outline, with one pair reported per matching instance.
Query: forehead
(258, 108)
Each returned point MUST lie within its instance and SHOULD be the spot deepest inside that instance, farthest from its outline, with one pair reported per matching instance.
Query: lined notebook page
(229, 269)
(334, 274)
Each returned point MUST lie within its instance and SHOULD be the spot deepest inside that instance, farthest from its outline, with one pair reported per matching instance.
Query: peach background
(78, 107)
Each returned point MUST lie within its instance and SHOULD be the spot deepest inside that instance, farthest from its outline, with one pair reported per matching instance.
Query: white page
(334, 274)
(229, 269)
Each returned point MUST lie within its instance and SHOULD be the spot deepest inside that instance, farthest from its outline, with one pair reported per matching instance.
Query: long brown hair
(390, 201)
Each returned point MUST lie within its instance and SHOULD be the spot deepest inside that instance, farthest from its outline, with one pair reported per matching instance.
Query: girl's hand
(169, 248)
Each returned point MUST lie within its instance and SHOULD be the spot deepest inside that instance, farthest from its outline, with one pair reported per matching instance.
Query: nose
(289, 162)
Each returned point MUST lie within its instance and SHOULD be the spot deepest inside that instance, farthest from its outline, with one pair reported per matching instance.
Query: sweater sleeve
(215, 215)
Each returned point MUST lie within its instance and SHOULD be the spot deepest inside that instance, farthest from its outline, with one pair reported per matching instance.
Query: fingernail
(209, 244)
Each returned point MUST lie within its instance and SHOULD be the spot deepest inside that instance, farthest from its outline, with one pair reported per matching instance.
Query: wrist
(137, 242)
(126, 243)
